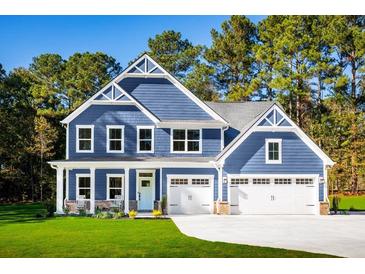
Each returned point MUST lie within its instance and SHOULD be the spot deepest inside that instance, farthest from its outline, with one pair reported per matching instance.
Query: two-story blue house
(145, 136)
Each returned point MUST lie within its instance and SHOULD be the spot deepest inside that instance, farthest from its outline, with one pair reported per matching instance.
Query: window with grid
(273, 151)
(239, 181)
(84, 138)
(186, 140)
(304, 181)
(115, 138)
(177, 181)
(282, 181)
(115, 187)
(83, 188)
(261, 181)
(145, 140)
(200, 181)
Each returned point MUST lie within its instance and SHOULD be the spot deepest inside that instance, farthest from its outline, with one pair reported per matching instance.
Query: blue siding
(157, 185)
(72, 182)
(130, 117)
(132, 184)
(163, 99)
(189, 171)
(230, 134)
(297, 157)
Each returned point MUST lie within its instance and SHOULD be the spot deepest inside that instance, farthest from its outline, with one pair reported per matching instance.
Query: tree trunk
(354, 179)
(353, 77)
(298, 112)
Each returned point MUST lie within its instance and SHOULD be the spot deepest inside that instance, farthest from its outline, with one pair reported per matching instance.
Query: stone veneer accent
(102, 204)
(221, 208)
(324, 208)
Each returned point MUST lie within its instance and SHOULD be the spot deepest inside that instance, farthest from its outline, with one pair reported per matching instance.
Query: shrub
(82, 212)
(336, 203)
(50, 206)
(66, 209)
(118, 215)
(156, 213)
(164, 204)
(115, 209)
(132, 214)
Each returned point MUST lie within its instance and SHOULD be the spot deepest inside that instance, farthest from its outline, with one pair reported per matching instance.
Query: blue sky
(123, 37)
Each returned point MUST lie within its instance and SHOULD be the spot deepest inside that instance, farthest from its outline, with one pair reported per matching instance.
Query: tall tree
(200, 81)
(231, 54)
(86, 73)
(175, 54)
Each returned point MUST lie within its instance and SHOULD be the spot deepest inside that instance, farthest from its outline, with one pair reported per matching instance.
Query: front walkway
(337, 235)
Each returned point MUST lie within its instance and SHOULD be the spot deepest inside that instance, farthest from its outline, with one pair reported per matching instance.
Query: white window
(239, 181)
(261, 181)
(115, 139)
(179, 181)
(199, 181)
(145, 139)
(83, 186)
(273, 151)
(304, 181)
(186, 140)
(84, 138)
(115, 186)
(282, 181)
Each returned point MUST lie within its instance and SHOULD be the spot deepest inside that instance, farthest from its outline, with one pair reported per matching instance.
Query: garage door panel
(280, 196)
(194, 197)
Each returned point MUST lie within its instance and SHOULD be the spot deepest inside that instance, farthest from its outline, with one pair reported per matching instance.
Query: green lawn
(22, 235)
(347, 202)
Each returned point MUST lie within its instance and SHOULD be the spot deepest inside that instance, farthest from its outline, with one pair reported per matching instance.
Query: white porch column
(59, 194)
(92, 190)
(220, 184)
(160, 184)
(126, 190)
(67, 184)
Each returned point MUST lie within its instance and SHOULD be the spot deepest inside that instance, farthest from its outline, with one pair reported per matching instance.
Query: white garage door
(274, 195)
(190, 194)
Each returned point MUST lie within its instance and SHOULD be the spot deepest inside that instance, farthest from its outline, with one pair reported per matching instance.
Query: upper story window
(145, 139)
(115, 139)
(83, 186)
(273, 151)
(84, 138)
(186, 140)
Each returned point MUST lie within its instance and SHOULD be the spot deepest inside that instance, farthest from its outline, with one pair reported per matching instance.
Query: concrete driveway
(337, 235)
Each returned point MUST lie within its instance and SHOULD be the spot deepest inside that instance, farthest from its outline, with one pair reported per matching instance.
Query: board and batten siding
(297, 157)
(189, 171)
(164, 99)
(130, 116)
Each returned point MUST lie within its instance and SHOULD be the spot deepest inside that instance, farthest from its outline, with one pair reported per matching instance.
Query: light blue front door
(145, 189)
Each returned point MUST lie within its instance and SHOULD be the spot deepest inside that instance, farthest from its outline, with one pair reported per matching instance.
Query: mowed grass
(22, 235)
(351, 202)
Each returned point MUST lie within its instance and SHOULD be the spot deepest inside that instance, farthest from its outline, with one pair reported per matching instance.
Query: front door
(145, 191)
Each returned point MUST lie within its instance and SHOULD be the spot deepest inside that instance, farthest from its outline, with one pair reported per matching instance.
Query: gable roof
(144, 66)
(238, 115)
(250, 127)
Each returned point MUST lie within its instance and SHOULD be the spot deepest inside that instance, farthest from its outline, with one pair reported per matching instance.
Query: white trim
(189, 124)
(271, 140)
(152, 128)
(160, 184)
(304, 137)
(59, 193)
(92, 190)
(190, 177)
(126, 190)
(118, 103)
(186, 141)
(108, 176)
(78, 175)
(92, 138)
(67, 184)
(108, 139)
(67, 140)
(153, 171)
(130, 164)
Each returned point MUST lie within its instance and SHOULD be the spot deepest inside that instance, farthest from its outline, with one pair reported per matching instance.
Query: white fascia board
(189, 124)
(302, 135)
(125, 164)
(139, 105)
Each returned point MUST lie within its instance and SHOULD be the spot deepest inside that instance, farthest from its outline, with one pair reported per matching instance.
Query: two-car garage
(280, 194)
